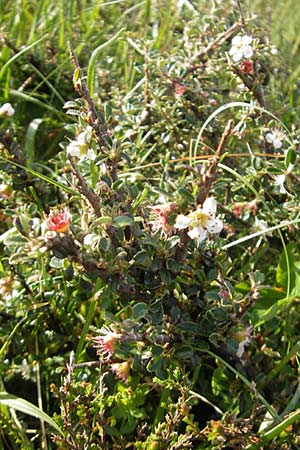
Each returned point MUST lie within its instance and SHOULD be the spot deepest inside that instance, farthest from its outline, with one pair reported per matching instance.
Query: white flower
(6, 110)
(275, 138)
(79, 147)
(73, 149)
(279, 181)
(259, 225)
(201, 221)
(241, 47)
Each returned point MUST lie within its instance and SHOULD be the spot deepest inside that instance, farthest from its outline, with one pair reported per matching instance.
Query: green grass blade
(260, 233)
(36, 101)
(19, 404)
(42, 177)
(29, 147)
(94, 56)
(88, 320)
(271, 434)
(4, 347)
(19, 54)
(247, 383)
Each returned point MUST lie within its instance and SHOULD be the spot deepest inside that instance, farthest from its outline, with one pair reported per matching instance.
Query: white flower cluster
(80, 147)
(241, 47)
(202, 221)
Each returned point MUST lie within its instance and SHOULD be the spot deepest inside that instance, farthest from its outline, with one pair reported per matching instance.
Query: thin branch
(93, 118)
(88, 193)
(209, 177)
(242, 17)
(256, 89)
(202, 55)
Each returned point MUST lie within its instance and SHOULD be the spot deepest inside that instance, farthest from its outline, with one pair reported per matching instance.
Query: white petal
(182, 222)
(89, 238)
(241, 349)
(233, 50)
(248, 52)
(197, 233)
(246, 40)
(237, 40)
(73, 149)
(277, 143)
(237, 56)
(279, 181)
(270, 137)
(259, 225)
(210, 206)
(91, 154)
(214, 225)
(82, 138)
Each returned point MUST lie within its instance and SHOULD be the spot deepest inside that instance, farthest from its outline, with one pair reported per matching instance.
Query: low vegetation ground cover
(149, 234)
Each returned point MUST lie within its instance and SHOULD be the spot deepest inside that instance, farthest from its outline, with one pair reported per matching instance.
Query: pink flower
(106, 342)
(180, 88)
(239, 207)
(59, 220)
(224, 293)
(161, 214)
(121, 370)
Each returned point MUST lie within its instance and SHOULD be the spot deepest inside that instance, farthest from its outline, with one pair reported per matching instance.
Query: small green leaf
(139, 310)
(56, 263)
(76, 75)
(122, 221)
(12, 238)
(185, 352)
(290, 157)
(141, 258)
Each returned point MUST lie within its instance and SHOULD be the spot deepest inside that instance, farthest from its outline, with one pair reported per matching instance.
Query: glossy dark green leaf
(139, 310)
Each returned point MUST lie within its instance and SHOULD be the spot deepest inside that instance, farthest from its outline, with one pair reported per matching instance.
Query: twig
(87, 364)
(242, 17)
(209, 177)
(92, 117)
(68, 248)
(85, 190)
(202, 55)
(256, 89)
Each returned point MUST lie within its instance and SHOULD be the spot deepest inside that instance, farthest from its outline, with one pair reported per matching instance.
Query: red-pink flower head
(106, 343)
(239, 207)
(161, 214)
(180, 88)
(247, 67)
(59, 220)
(121, 370)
